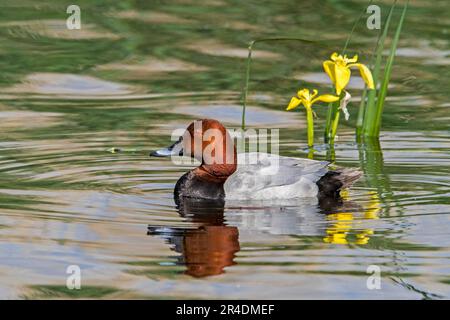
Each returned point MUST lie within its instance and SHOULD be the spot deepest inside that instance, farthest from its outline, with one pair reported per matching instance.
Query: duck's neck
(215, 173)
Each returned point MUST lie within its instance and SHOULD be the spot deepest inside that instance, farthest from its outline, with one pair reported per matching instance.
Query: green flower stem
(311, 153)
(331, 154)
(334, 126)
(327, 132)
(310, 120)
(334, 120)
(360, 119)
(333, 112)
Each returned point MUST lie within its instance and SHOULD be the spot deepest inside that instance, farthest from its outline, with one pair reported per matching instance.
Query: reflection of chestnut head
(209, 249)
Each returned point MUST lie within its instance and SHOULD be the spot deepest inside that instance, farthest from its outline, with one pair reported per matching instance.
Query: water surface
(138, 70)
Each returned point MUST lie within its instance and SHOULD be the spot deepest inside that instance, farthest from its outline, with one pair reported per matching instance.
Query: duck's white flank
(265, 176)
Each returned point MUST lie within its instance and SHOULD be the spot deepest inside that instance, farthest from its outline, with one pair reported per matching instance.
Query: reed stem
(334, 126)
(248, 67)
(375, 132)
(327, 131)
(371, 108)
(361, 111)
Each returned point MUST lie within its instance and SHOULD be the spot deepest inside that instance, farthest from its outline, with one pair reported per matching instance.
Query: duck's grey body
(264, 176)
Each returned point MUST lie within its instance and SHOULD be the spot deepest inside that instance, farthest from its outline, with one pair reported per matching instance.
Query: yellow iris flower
(338, 69)
(308, 99)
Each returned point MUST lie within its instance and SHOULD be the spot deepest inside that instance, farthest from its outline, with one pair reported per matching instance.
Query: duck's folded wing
(258, 171)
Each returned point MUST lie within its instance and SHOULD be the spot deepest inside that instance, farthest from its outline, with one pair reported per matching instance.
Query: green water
(139, 69)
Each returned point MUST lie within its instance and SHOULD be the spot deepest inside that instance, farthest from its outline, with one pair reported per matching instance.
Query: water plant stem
(310, 121)
(334, 126)
(331, 154)
(334, 120)
(354, 27)
(247, 79)
(370, 108)
(327, 131)
(364, 97)
(361, 111)
(375, 128)
(248, 67)
(311, 153)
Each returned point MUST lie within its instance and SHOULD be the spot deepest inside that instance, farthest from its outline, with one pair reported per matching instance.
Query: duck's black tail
(336, 180)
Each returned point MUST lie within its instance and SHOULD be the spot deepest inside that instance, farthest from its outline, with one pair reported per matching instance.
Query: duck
(224, 175)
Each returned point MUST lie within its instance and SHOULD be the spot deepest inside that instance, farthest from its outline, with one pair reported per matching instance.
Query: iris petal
(342, 77)
(328, 66)
(365, 74)
(326, 98)
(354, 59)
(294, 103)
(304, 95)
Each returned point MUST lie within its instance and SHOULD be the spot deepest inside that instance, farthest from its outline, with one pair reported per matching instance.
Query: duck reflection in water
(210, 243)
(208, 248)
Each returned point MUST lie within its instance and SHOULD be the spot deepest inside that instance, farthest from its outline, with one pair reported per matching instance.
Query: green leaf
(387, 75)
(361, 111)
(370, 109)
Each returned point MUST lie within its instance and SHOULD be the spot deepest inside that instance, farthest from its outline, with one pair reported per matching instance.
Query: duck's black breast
(189, 185)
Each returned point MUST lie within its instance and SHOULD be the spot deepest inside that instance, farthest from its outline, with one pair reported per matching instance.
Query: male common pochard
(225, 175)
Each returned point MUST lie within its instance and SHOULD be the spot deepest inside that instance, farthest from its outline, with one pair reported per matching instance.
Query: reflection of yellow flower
(344, 222)
(308, 99)
(338, 69)
(337, 233)
(374, 206)
(344, 194)
(363, 236)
